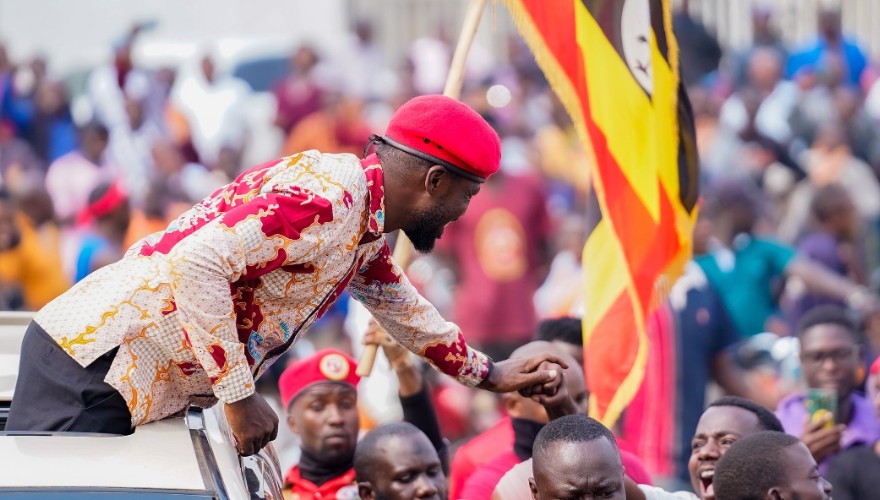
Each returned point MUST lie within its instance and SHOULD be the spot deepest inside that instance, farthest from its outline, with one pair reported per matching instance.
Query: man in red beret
(320, 396)
(320, 399)
(195, 313)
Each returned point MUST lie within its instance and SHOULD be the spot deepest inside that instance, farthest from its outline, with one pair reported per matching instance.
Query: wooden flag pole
(403, 247)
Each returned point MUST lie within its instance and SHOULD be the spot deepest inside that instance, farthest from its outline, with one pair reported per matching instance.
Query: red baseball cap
(328, 365)
(443, 130)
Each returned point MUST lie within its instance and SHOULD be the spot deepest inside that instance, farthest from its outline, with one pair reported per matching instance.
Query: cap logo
(334, 367)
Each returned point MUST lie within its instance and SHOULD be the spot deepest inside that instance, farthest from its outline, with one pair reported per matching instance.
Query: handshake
(535, 370)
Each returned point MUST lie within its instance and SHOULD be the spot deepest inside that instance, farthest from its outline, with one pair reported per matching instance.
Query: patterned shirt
(202, 309)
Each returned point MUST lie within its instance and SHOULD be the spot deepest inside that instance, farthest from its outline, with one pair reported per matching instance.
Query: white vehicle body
(191, 457)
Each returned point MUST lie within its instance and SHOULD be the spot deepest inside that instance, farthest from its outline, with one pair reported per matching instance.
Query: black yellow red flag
(614, 65)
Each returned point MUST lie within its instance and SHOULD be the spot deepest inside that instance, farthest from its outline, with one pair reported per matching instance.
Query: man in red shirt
(563, 333)
(528, 417)
(498, 249)
(320, 395)
(478, 452)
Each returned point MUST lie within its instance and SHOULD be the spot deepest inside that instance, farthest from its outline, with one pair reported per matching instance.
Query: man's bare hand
(822, 441)
(555, 398)
(525, 374)
(549, 395)
(376, 335)
(253, 422)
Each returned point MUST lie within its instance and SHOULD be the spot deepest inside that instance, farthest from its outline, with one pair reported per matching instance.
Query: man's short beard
(425, 229)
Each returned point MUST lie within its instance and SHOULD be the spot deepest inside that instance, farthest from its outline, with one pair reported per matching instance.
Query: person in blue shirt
(831, 40)
(747, 269)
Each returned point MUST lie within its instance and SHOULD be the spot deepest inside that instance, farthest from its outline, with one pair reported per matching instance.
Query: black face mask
(524, 434)
(318, 470)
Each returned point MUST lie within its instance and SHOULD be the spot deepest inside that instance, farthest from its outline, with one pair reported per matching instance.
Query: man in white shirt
(723, 423)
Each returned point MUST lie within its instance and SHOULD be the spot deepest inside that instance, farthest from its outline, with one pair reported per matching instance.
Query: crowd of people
(786, 252)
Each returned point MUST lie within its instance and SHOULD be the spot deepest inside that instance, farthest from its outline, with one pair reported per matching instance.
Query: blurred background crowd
(94, 156)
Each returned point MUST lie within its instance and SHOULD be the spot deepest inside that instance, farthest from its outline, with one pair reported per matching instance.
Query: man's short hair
(571, 429)
(753, 465)
(568, 330)
(366, 454)
(95, 127)
(766, 419)
(389, 154)
(827, 315)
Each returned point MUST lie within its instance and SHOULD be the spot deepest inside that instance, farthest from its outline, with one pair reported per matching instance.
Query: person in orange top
(26, 261)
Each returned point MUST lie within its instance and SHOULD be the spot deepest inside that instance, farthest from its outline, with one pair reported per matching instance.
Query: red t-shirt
(482, 482)
(478, 452)
(497, 246)
(340, 488)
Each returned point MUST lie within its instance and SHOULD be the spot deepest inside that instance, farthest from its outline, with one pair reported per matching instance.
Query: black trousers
(54, 393)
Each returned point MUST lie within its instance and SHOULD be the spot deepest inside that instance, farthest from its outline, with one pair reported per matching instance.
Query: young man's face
(407, 467)
(718, 429)
(829, 358)
(580, 470)
(326, 419)
(804, 481)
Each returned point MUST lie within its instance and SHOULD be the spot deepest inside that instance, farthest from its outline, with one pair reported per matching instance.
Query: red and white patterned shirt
(202, 309)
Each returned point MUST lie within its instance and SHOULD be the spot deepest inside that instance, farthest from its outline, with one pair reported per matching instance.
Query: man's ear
(436, 179)
(534, 488)
(775, 494)
(365, 490)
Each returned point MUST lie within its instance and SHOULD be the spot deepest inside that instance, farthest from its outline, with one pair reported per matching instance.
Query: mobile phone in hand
(822, 402)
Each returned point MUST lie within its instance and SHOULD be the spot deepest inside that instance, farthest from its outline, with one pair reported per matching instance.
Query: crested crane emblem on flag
(614, 65)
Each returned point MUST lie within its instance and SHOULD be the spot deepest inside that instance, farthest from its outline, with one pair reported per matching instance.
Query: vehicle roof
(157, 455)
(12, 328)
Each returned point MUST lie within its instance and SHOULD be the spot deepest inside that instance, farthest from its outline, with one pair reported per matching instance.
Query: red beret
(328, 365)
(443, 130)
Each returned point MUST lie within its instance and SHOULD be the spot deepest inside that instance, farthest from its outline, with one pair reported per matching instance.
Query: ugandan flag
(614, 65)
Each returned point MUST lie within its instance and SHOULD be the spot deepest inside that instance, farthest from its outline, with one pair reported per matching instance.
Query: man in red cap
(195, 313)
(320, 398)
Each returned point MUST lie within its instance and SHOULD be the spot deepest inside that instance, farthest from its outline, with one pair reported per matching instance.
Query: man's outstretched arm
(415, 324)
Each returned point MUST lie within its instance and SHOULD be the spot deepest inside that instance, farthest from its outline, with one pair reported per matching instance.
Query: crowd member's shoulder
(514, 485)
(655, 493)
